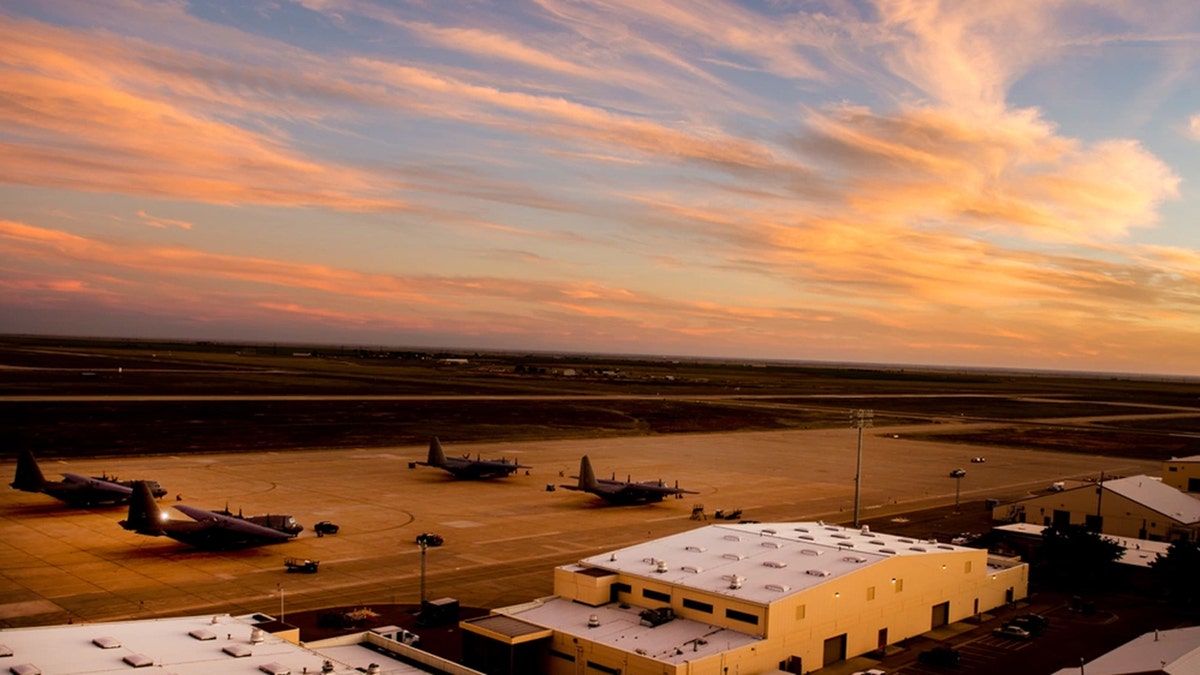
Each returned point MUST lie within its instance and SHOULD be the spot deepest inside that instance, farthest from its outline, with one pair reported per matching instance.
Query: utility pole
(424, 545)
(860, 419)
(957, 481)
(279, 587)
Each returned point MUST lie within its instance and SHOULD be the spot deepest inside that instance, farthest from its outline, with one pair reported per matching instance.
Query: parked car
(430, 539)
(939, 656)
(1034, 623)
(958, 473)
(325, 527)
(1012, 631)
(978, 460)
(870, 671)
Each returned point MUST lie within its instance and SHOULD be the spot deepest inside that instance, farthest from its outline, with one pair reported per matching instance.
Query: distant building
(741, 598)
(1167, 652)
(1141, 507)
(1183, 473)
(453, 362)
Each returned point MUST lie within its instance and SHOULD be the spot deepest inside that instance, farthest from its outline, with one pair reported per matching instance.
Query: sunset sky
(958, 183)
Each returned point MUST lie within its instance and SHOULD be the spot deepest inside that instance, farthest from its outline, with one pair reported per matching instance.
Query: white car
(872, 671)
(978, 460)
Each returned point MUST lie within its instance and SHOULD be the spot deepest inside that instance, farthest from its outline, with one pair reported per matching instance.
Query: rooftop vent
(735, 582)
(692, 568)
(888, 550)
(694, 549)
(593, 621)
(25, 669)
(779, 588)
(922, 549)
(256, 635)
(767, 531)
(5, 650)
(819, 573)
(777, 564)
(327, 666)
(275, 668)
(946, 546)
(809, 551)
(839, 536)
(772, 544)
(800, 529)
(203, 634)
(236, 651)
(733, 556)
(138, 660)
(808, 537)
(106, 642)
(373, 669)
(661, 567)
(907, 541)
(854, 559)
(732, 537)
(866, 529)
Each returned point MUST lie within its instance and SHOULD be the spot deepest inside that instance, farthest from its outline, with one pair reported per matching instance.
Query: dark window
(1193, 485)
(562, 655)
(697, 605)
(604, 669)
(741, 616)
(620, 587)
(655, 595)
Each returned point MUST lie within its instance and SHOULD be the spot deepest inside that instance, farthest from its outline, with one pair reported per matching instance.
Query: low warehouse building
(742, 598)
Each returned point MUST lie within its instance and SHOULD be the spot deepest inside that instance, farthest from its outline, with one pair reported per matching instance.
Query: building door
(1062, 518)
(941, 615)
(882, 640)
(835, 650)
(793, 665)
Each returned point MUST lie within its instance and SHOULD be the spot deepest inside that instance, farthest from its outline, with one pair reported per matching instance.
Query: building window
(800, 611)
(620, 587)
(604, 669)
(697, 605)
(656, 595)
(744, 617)
(870, 592)
(968, 567)
(899, 585)
(562, 655)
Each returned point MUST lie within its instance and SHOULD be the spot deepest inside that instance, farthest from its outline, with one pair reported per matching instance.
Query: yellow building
(744, 599)
(1141, 507)
(1183, 473)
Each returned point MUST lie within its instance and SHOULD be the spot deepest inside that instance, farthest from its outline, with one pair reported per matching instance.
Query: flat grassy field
(74, 397)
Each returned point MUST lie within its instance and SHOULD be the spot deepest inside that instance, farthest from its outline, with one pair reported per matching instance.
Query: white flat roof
(1139, 552)
(1167, 651)
(168, 644)
(673, 642)
(770, 560)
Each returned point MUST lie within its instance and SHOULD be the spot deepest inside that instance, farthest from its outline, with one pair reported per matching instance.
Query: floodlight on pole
(860, 419)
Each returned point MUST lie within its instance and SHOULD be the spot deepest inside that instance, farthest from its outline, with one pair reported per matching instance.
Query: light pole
(422, 543)
(860, 419)
(957, 481)
(279, 587)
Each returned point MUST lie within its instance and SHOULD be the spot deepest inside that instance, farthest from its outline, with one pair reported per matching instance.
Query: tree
(1177, 574)
(1073, 558)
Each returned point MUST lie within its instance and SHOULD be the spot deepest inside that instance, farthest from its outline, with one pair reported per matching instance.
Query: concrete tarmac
(502, 537)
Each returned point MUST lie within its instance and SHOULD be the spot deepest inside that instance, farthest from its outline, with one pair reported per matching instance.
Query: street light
(958, 475)
(860, 419)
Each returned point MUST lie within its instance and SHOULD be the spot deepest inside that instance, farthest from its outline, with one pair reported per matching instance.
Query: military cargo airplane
(622, 492)
(465, 467)
(75, 489)
(206, 529)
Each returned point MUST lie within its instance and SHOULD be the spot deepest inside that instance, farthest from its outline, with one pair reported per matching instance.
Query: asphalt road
(503, 537)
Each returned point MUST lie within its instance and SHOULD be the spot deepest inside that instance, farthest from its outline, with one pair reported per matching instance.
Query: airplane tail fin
(587, 476)
(144, 515)
(436, 456)
(28, 476)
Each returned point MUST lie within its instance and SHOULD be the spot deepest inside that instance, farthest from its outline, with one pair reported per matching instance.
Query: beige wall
(897, 594)
(1122, 517)
(1177, 473)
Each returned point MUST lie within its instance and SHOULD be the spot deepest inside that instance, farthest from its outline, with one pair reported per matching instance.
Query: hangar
(742, 598)
(1140, 507)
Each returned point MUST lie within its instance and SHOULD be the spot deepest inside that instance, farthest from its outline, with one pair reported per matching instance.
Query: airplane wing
(236, 528)
(97, 485)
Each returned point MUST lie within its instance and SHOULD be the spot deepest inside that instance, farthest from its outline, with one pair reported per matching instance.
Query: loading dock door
(941, 615)
(835, 650)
